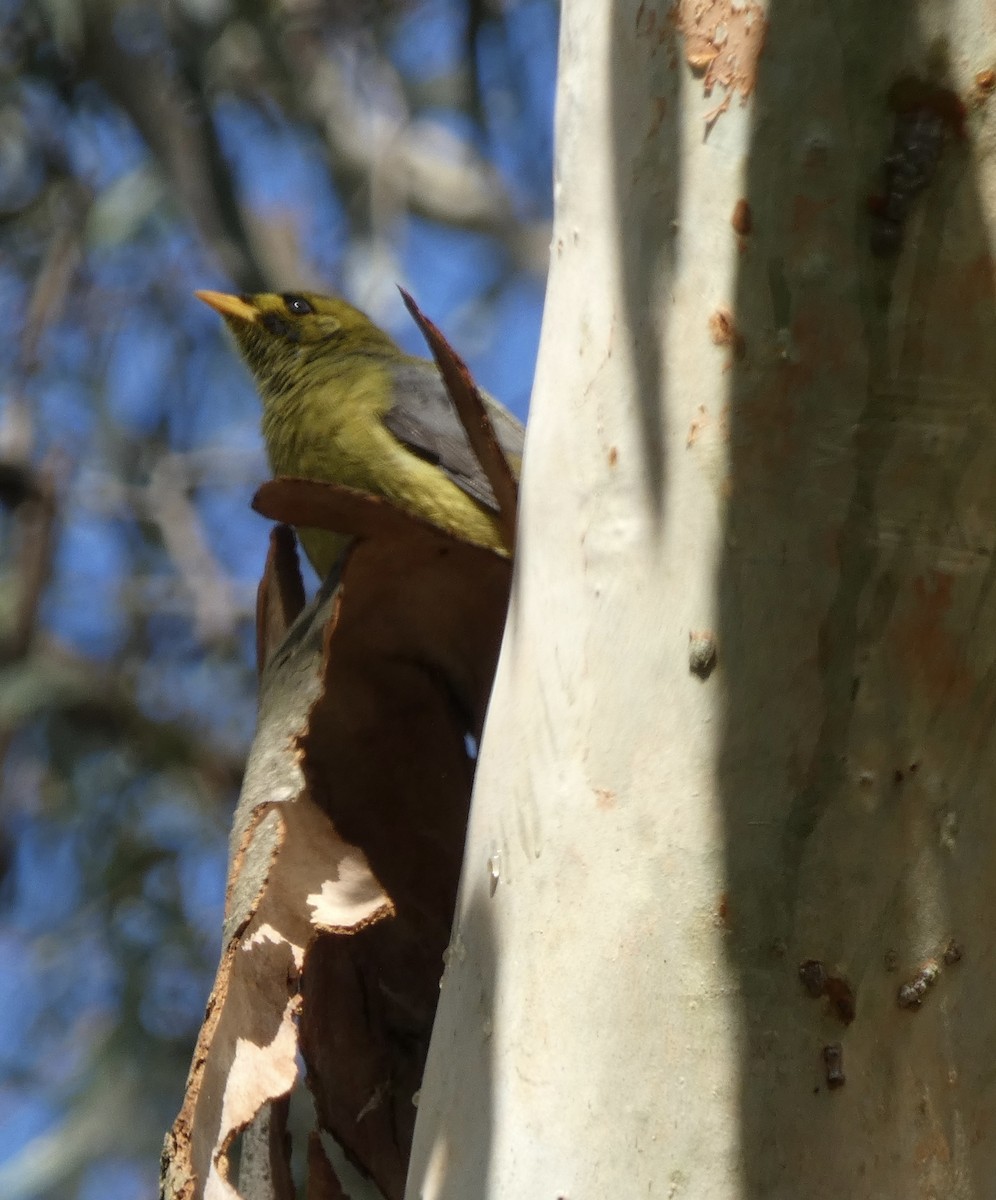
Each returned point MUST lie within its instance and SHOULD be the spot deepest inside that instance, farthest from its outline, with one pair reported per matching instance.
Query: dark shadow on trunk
(861, 501)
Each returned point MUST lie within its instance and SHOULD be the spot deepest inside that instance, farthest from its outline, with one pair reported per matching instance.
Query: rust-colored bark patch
(724, 332)
(985, 85)
(722, 42)
(841, 996)
(911, 95)
(699, 422)
(660, 108)
(929, 652)
(605, 799)
(808, 219)
(932, 1146)
(817, 982)
(742, 219)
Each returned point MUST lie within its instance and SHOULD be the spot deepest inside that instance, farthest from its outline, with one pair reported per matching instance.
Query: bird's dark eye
(298, 305)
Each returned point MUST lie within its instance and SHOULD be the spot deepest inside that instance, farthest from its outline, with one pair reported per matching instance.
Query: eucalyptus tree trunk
(725, 926)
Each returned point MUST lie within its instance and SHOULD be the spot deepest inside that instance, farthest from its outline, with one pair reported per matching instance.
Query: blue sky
(114, 865)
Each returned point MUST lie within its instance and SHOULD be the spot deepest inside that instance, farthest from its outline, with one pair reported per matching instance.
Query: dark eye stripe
(297, 305)
(280, 326)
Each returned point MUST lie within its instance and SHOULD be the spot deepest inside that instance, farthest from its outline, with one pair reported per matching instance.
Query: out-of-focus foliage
(147, 149)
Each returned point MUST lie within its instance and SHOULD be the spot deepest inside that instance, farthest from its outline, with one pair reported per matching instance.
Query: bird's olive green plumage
(343, 404)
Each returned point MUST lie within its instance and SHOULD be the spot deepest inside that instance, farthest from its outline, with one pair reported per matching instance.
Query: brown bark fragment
(722, 42)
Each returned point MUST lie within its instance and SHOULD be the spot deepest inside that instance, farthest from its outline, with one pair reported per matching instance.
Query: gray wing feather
(429, 425)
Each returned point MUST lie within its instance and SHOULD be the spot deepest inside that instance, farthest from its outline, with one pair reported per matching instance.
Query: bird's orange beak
(229, 306)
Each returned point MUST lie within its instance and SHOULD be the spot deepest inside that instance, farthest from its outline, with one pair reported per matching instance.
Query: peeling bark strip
(347, 840)
(723, 41)
(346, 849)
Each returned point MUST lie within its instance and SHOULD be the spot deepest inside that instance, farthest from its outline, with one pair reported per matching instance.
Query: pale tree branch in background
(214, 610)
(340, 82)
(180, 134)
(90, 1129)
(53, 679)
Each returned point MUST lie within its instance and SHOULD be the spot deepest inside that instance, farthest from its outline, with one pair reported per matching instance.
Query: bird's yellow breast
(332, 430)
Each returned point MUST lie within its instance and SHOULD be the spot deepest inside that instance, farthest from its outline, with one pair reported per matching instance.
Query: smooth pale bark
(652, 855)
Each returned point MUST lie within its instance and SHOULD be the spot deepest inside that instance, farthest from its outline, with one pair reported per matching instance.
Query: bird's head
(283, 336)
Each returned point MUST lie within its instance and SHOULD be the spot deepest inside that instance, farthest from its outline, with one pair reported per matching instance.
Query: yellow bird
(342, 403)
